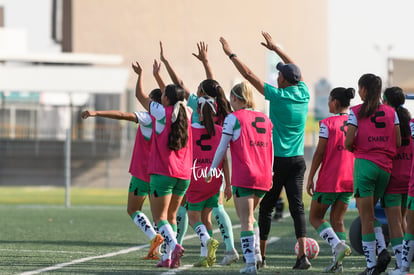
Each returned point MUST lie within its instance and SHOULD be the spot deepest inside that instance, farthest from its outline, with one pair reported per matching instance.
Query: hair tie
(177, 110)
(202, 101)
(238, 96)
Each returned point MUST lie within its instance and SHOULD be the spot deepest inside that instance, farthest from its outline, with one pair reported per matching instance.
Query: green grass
(38, 232)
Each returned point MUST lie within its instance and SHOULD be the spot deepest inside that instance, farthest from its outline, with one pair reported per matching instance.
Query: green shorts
(208, 203)
(390, 200)
(410, 203)
(369, 179)
(331, 198)
(139, 187)
(163, 185)
(244, 192)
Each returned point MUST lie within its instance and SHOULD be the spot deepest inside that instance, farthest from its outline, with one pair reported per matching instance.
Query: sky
(363, 33)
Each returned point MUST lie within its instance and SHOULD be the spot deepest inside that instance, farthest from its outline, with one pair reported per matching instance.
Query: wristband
(232, 55)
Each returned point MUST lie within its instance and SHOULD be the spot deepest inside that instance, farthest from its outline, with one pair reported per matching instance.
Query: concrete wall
(133, 28)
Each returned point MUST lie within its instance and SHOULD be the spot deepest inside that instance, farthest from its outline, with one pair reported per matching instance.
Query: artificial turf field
(38, 235)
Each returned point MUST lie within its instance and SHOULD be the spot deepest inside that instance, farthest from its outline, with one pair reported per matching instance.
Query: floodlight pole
(67, 167)
(68, 143)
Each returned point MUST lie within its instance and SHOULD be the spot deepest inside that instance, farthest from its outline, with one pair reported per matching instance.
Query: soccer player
(334, 185)
(374, 147)
(249, 134)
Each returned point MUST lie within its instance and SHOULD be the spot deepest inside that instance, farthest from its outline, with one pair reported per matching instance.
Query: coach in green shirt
(288, 112)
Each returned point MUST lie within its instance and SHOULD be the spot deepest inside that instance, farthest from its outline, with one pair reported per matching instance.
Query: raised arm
(203, 57)
(173, 75)
(110, 114)
(242, 68)
(156, 67)
(139, 89)
(273, 47)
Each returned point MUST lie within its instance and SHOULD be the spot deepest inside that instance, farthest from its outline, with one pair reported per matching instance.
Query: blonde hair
(243, 91)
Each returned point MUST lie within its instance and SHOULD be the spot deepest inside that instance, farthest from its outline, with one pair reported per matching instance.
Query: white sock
(407, 254)
(256, 239)
(247, 244)
(141, 220)
(203, 235)
(380, 239)
(167, 252)
(168, 234)
(370, 253)
(398, 253)
(329, 235)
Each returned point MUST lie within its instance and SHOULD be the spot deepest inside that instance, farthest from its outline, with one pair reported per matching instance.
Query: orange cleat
(153, 251)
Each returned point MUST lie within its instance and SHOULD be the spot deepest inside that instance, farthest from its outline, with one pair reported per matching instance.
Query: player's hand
(137, 68)
(310, 188)
(162, 56)
(208, 177)
(228, 192)
(156, 67)
(86, 114)
(226, 46)
(269, 41)
(202, 51)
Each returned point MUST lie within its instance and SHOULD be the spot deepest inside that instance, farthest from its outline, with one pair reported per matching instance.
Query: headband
(239, 97)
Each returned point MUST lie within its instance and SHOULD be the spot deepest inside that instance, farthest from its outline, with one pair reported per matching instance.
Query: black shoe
(370, 271)
(278, 217)
(383, 260)
(302, 263)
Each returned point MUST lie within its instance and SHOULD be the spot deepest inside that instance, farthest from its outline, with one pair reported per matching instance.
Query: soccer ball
(312, 248)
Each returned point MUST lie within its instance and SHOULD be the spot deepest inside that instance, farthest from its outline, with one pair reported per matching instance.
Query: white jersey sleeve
(397, 120)
(145, 123)
(323, 131)
(157, 110)
(352, 119)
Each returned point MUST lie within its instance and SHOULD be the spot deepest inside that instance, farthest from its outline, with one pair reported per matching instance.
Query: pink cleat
(164, 263)
(176, 256)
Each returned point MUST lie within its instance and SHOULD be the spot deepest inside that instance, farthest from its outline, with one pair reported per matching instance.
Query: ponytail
(395, 97)
(206, 107)
(178, 137)
(213, 89)
(372, 85)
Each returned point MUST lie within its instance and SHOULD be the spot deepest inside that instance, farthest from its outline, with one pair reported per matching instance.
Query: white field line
(124, 251)
(46, 251)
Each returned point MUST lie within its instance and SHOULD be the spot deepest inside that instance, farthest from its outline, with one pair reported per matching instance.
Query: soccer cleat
(302, 263)
(164, 263)
(383, 260)
(176, 256)
(340, 251)
(259, 260)
(202, 262)
(212, 246)
(153, 251)
(334, 268)
(263, 264)
(230, 257)
(370, 271)
(249, 269)
(152, 256)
